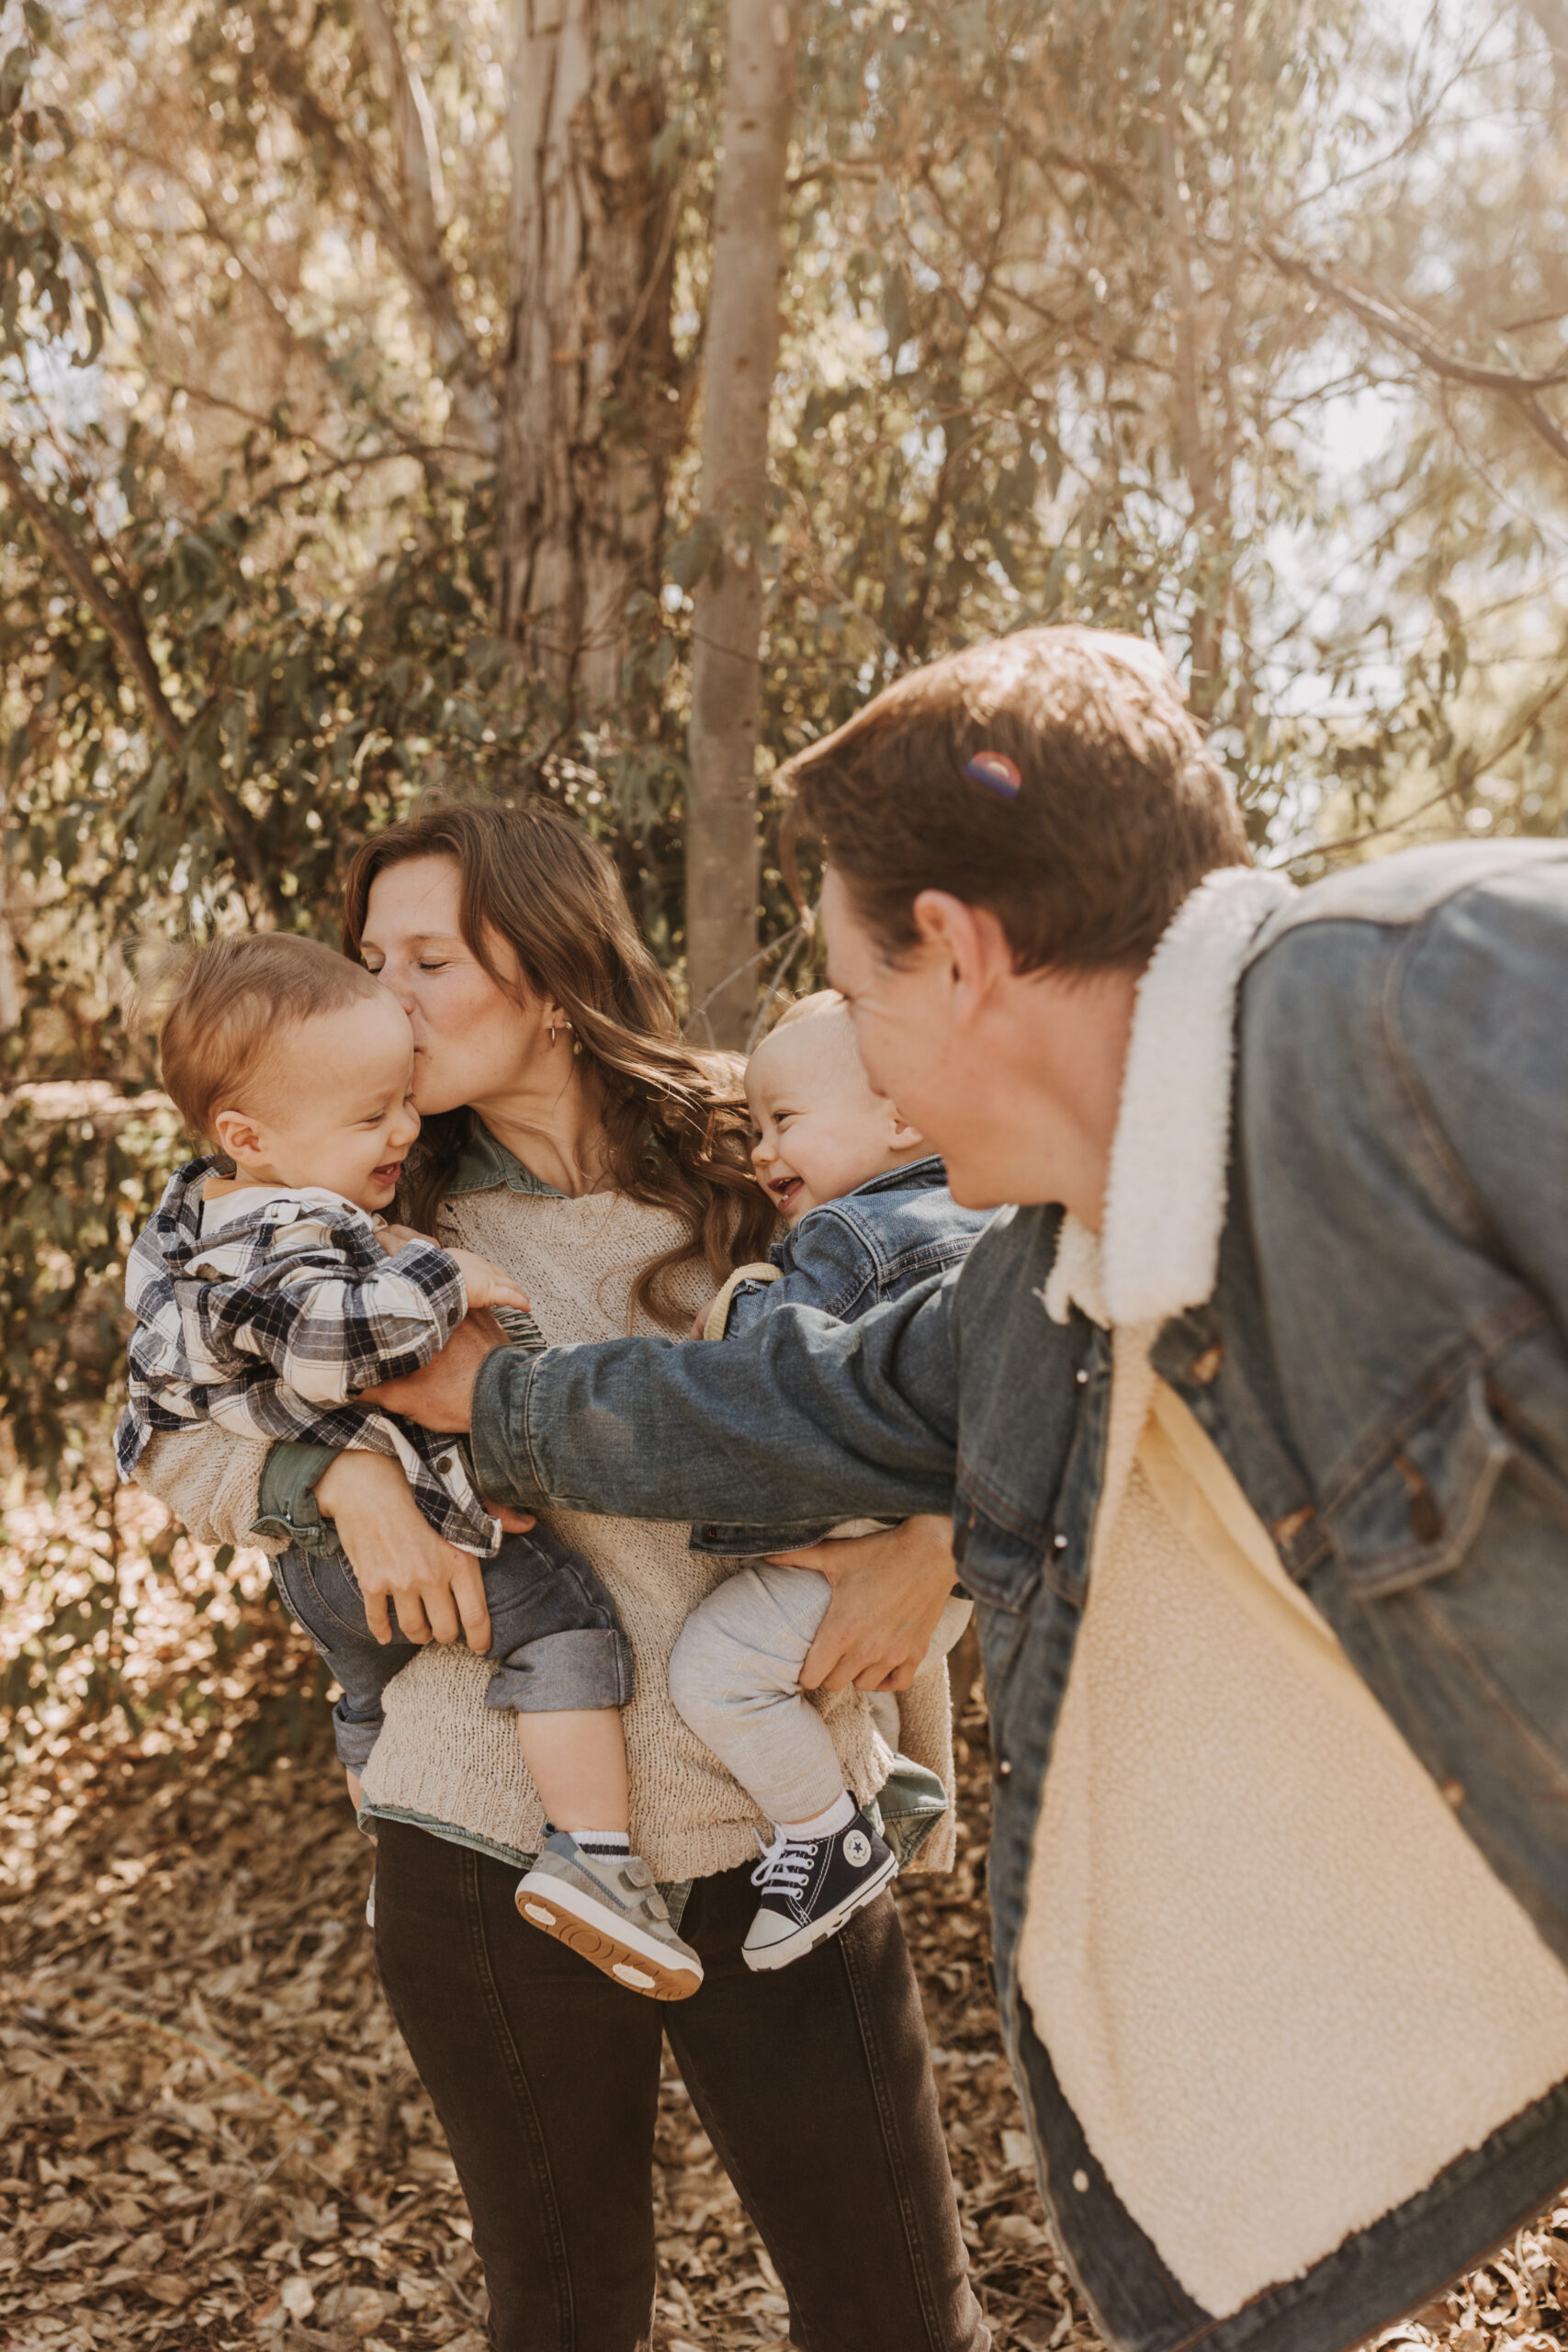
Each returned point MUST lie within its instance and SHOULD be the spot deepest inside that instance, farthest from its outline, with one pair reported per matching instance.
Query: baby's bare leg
(577, 1759)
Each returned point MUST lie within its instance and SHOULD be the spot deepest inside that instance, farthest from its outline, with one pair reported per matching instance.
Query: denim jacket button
(1205, 1368)
(1058, 1542)
(1453, 1792)
(1004, 1767)
(1080, 1378)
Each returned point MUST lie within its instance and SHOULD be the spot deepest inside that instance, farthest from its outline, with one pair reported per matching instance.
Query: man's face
(1014, 1077)
(910, 1041)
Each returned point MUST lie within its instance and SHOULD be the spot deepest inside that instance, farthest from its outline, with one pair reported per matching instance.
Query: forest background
(601, 398)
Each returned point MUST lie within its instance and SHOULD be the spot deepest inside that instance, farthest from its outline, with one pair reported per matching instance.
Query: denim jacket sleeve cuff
(498, 1438)
(287, 1509)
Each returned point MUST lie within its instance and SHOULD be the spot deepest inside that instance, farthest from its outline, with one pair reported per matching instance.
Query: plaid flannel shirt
(271, 1325)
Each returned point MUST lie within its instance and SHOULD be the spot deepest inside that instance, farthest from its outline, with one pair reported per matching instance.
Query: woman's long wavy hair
(677, 1124)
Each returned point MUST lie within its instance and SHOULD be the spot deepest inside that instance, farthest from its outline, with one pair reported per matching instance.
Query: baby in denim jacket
(869, 1215)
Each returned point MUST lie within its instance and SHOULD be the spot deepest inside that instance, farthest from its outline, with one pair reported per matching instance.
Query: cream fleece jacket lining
(1280, 1986)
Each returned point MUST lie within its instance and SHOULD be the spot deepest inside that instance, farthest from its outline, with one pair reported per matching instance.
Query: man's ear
(970, 942)
(238, 1135)
(901, 1135)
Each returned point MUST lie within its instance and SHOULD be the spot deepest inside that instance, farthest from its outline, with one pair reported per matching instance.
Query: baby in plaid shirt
(269, 1294)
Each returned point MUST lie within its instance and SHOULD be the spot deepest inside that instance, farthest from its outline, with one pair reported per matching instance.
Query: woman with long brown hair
(571, 1136)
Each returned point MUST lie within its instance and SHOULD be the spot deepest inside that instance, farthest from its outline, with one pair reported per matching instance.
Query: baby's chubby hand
(393, 1237)
(486, 1284)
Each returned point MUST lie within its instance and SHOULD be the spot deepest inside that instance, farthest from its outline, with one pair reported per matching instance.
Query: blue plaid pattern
(272, 1324)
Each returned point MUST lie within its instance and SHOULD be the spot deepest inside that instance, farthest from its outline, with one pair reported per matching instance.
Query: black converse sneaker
(810, 1886)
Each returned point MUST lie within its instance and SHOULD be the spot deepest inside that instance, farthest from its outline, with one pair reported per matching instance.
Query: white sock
(839, 1816)
(602, 1841)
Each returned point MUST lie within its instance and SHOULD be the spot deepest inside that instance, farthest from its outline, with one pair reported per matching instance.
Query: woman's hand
(395, 1553)
(440, 1395)
(699, 1330)
(889, 1591)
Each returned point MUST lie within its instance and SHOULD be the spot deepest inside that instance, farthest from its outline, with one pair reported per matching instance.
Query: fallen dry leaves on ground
(210, 2134)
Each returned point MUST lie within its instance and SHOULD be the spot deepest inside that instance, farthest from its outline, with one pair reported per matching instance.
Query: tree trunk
(588, 415)
(727, 625)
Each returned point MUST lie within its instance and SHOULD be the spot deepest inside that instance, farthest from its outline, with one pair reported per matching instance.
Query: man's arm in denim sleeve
(802, 1419)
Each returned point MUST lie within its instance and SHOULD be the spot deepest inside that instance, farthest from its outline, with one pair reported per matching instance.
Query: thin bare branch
(407, 227)
(1401, 326)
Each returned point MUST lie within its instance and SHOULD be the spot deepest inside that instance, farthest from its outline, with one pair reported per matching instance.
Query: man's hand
(395, 1553)
(440, 1395)
(889, 1591)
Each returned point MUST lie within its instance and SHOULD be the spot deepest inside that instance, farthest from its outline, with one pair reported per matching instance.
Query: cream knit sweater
(443, 1758)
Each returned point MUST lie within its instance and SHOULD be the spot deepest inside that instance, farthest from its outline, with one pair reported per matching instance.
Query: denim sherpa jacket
(1373, 1334)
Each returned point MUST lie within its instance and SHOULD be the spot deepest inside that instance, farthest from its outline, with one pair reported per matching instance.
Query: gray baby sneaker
(607, 1907)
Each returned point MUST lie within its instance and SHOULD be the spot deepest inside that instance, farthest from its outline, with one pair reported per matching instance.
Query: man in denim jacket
(1253, 1418)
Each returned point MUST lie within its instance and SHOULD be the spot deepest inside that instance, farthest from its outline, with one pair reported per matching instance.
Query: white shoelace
(785, 1864)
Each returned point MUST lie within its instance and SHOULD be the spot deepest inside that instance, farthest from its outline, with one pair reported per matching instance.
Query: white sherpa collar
(1164, 1203)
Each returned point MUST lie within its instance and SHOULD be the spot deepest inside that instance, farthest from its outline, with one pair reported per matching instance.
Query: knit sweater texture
(445, 1760)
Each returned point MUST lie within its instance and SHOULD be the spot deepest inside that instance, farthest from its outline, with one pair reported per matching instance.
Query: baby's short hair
(220, 1010)
(809, 1008)
(838, 1046)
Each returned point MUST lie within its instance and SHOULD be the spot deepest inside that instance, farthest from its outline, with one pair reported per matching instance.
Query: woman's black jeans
(814, 2083)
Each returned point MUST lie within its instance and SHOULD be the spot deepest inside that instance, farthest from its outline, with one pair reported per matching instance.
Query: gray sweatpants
(735, 1678)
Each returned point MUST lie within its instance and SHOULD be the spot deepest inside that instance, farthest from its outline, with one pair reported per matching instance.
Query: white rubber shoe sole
(806, 1939)
(599, 1935)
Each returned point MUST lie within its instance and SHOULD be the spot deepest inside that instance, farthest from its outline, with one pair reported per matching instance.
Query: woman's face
(473, 1041)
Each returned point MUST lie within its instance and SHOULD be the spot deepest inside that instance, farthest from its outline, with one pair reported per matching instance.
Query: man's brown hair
(1100, 808)
(222, 1009)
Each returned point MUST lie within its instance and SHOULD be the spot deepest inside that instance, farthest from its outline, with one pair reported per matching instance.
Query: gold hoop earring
(577, 1045)
(552, 1037)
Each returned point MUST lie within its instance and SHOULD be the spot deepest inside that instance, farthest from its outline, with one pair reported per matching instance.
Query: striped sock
(604, 1842)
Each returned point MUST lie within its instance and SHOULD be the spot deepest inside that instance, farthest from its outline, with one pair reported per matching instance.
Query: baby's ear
(236, 1133)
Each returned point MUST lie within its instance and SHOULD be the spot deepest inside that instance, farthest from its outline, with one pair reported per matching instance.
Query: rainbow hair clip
(994, 771)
